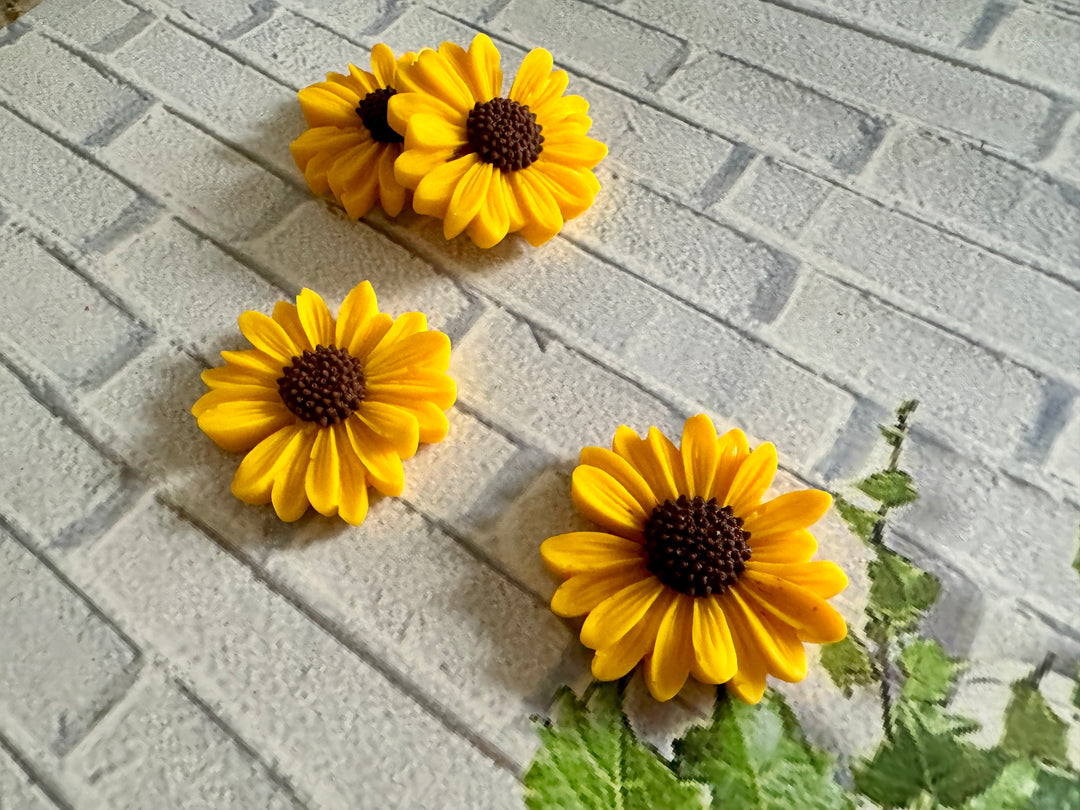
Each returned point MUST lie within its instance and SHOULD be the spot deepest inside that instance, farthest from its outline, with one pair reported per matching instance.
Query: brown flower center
(504, 134)
(372, 111)
(695, 546)
(323, 386)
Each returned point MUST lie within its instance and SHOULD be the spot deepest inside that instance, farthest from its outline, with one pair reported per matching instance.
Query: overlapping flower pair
(435, 126)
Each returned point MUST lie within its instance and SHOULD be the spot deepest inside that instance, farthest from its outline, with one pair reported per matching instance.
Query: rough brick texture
(810, 210)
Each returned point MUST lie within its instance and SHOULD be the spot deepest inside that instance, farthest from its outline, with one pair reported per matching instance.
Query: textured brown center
(372, 111)
(696, 546)
(323, 386)
(504, 134)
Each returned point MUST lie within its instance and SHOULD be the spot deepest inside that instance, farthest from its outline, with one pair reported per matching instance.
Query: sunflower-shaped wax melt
(486, 164)
(691, 573)
(325, 407)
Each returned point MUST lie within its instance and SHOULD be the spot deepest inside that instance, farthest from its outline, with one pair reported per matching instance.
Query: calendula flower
(350, 149)
(691, 573)
(325, 407)
(487, 164)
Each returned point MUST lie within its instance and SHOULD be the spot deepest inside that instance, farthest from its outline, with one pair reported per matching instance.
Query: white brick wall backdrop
(811, 209)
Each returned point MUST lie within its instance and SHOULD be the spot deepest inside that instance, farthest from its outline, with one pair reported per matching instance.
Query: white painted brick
(17, 792)
(56, 318)
(1065, 161)
(239, 103)
(777, 196)
(336, 728)
(144, 413)
(891, 356)
(982, 293)
(1042, 47)
(1065, 458)
(97, 24)
(942, 22)
(858, 67)
(469, 10)
(1012, 631)
(54, 477)
(187, 288)
(591, 39)
(734, 98)
(298, 52)
(60, 664)
(219, 16)
(422, 27)
(350, 18)
(159, 744)
(209, 184)
(998, 202)
(549, 395)
(694, 257)
(647, 335)
(71, 94)
(455, 480)
(459, 631)
(347, 252)
(64, 191)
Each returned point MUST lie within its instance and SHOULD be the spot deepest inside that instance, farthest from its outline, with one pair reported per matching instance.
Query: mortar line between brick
(914, 47)
(280, 780)
(40, 780)
(357, 647)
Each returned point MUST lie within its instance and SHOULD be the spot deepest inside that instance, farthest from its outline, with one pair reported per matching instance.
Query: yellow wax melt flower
(487, 164)
(325, 407)
(690, 571)
(350, 149)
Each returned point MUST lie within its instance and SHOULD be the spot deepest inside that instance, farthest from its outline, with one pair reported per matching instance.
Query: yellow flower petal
(238, 426)
(617, 659)
(403, 108)
(356, 319)
(492, 220)
(383, 65)
(353, 499)
(316, 150)
(539, 209)
(821, 577)
(432, 75)
(752, 480)
(254, 478)
(420, 386)
(315, 318)
(573, 189)
(323, 481)
(424, 350)
(583, 592)
(786, 547)
(669, 665)
(233, 393)
(748, 682)
(605, 501)
(329, 105)
(286, 316)
(268, 336)
(714, 651)
(576, 153)
(468, 198)
(532, 77)
(583, 552)
(622, 471)
(478, 67)
(383, 465)
(615, 616)
(396, 425)
(354, 178)
(248, 367)
(699, 455)
(361, 82)
(434, 134)
(289, 494)
(391, 192)
(794, 510)
(731, 449)
(781, 660)
(435, 190)
(814, 619)
(655, 458)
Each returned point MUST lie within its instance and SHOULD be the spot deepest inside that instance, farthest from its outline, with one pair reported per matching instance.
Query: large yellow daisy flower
(489, 165)
(324, 407)
(691, 572)
(350, 149)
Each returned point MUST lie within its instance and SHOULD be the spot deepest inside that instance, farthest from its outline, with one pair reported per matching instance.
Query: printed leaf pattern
(590, 759)
(860, 521)
(847, 663)
(755, 758)
(1032, 729)
(890, 487)
(929, 671)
